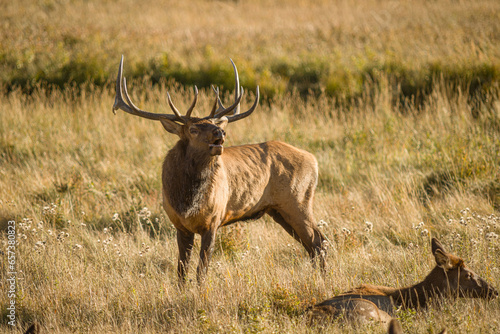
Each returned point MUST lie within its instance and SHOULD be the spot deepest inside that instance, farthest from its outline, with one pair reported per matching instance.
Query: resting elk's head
(203, 134)
(460, 280)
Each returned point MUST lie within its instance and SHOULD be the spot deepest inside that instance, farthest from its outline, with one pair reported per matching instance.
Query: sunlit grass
(97, 252)
(397, 100)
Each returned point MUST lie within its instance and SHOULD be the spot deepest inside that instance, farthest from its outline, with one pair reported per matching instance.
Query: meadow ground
(96, 252)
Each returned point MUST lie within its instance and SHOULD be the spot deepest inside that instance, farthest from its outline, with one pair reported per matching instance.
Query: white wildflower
(322, 224)
(144, 213)
(491, 236)
(419, 226)
(39, 245)
(61, 236)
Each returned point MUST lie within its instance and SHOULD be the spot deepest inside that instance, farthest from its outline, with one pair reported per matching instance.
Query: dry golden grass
(83, 268)
(76, 179)
(257, 30)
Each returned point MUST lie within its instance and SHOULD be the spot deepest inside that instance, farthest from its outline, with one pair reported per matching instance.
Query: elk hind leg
(303, 229)
(312, 238)
(288, 228)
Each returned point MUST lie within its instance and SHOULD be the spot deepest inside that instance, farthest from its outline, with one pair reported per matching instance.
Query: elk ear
(437, 245)
(221, 122)
(442, 260)
(171, 126)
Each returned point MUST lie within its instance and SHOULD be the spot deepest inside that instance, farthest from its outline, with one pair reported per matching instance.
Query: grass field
(398, 101)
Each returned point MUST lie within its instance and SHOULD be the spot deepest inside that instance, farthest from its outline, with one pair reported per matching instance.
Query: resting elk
(449, 278)
(207, 185)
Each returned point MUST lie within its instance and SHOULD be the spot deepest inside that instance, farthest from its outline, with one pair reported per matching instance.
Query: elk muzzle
(490, 292)
(481, 290)
(216, 147)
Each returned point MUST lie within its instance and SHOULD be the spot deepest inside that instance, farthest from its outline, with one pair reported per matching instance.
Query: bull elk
(449, 278)
(206, 186)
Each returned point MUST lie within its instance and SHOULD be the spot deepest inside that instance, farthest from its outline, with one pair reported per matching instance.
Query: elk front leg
(207, 248)
(185, 244)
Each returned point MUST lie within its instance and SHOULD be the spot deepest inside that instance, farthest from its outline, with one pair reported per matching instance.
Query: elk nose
(219, 133)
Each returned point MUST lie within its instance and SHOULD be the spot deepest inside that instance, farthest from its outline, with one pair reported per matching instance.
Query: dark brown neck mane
(188, 175)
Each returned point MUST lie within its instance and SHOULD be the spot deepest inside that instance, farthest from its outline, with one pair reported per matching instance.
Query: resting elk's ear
(442, 260)
(171, 126)
(440, 254)
(437, 245)
(221, 122)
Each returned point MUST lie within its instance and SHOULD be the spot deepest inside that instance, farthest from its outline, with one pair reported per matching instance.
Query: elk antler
(129, 106)
(223, 111)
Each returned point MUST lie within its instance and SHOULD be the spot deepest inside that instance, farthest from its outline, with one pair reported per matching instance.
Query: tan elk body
(449, 278)
(206, 186)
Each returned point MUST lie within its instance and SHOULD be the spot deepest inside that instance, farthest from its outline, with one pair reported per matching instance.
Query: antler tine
(119, 97)
(247, 113)
(121, 87)
(217, 101)
(174, 109)
(190, 110)
(221, 106)
(236, 86)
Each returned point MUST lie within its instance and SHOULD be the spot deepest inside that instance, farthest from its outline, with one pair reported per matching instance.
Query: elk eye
(468, 276)
(194, 131)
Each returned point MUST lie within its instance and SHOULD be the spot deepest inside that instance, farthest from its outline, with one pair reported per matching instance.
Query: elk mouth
(217, 143)
(216, 147)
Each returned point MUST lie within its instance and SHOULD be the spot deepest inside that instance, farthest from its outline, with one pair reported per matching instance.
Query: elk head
(202, 134)
(461, 281)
